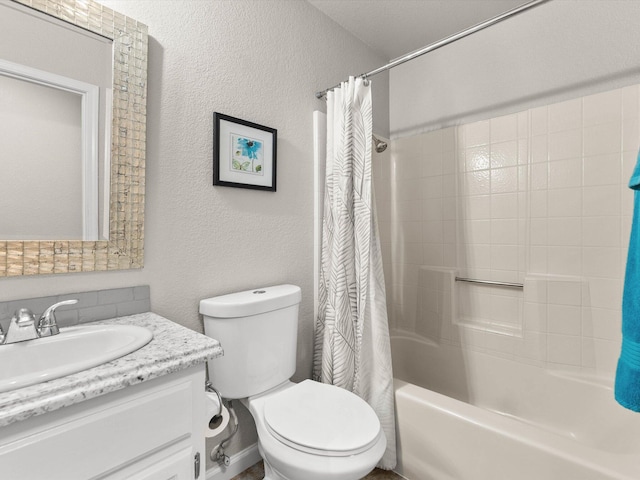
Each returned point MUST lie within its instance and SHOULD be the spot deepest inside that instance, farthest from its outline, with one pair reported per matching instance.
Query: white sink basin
(74, 349)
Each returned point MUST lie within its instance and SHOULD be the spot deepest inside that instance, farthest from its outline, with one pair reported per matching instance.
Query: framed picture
(244, 154)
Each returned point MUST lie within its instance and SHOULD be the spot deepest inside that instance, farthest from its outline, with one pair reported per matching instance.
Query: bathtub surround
(535, 197)
(351, 348)
(627, 386)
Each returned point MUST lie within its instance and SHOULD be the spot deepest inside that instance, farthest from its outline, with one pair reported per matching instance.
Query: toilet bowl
(314, 431)
(308, 430)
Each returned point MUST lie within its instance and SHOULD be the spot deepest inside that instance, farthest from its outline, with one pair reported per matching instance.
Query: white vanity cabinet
(149, 431)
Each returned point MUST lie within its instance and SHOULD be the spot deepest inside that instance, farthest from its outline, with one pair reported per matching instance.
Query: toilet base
(270, 473)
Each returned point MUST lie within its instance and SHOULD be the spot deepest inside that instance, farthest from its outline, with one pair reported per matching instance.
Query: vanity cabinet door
(178, 466)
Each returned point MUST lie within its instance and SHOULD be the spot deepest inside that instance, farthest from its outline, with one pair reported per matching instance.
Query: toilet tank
(258, 331)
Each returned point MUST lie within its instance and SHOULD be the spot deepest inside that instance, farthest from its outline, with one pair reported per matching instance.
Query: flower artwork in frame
(244, 154)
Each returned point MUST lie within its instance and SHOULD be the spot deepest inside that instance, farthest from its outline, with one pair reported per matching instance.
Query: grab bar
(490, 282)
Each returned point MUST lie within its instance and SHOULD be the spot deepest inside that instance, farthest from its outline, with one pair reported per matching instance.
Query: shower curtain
(351, 347)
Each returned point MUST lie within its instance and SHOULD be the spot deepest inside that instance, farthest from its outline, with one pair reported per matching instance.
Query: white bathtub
(473, 416)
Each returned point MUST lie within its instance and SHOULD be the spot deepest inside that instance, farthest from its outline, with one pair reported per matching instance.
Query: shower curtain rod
(444, 41)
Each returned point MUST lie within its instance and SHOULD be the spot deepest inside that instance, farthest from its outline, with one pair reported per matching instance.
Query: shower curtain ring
(365, 80)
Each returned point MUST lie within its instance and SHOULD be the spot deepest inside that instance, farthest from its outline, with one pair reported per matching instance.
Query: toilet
(308, 430)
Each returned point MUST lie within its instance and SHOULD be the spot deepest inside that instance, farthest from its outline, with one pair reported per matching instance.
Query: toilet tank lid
(251, 302)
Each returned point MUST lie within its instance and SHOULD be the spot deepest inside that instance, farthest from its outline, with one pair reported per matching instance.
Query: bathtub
(472, 416)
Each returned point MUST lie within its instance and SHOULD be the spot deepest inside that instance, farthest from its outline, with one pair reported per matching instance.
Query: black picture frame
(244, 154)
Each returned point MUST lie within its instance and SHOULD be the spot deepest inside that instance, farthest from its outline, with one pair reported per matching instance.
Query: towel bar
(490, 282)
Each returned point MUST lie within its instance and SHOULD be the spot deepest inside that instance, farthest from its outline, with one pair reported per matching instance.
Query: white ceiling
(393, 28)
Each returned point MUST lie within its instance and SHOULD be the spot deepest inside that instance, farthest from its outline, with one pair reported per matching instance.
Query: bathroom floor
(257, 472)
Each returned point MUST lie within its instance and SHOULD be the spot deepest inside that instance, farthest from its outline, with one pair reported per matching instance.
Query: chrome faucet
(47, 325)
(23, 324)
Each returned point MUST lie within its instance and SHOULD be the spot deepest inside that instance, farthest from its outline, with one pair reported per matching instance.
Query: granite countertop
(172, 348)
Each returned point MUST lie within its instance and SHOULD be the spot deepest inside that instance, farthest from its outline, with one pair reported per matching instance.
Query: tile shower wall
(537, 197)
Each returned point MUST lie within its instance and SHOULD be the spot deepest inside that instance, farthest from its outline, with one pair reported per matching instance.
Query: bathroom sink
(74, 349)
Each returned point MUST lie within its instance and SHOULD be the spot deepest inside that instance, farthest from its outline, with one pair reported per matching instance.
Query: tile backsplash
(91, 306)
(537, 197)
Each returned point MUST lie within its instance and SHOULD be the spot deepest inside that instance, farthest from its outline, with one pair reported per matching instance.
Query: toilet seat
(313, 417)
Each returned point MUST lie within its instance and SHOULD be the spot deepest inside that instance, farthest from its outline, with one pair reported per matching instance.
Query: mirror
(53, 113)
(96, 94)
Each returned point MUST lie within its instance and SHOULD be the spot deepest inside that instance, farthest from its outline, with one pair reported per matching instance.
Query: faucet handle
(47, 325)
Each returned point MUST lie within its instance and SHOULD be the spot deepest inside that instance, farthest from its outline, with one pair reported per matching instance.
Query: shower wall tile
(602, 169)
(565, 202)
(478, 133)
(504, 180)
(602, 108)
(538, 235)
(538, 197)
(605, 262)
(606, 293)
(565, 231)
(503, 128)
(449, 210)
(603, 138)
(539, 120)
(630, 134)
(602, 200)
(474, 207)
(505, 154)
(601, 231)
(539, 149)
(601, 323)
(564, 319)
(565, 173)
(631, 102)
(565, 144)
(564, 349)
(449, 160)
(432, 187)
(535, 318)
(600, 355)
(565, 116)
(539, 177)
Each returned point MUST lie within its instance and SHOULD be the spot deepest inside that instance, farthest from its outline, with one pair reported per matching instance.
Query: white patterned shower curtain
(351, 347)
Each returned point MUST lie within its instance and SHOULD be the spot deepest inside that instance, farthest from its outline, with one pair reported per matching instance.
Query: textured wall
(258, 60)
(556, 51)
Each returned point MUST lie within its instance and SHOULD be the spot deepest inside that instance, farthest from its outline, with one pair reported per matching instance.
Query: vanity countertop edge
(173, 348)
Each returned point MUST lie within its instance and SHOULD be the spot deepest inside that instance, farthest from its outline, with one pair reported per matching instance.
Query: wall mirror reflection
(55, 108)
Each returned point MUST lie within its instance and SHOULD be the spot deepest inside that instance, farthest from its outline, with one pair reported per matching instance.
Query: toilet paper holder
(217, 453)
(209, 388)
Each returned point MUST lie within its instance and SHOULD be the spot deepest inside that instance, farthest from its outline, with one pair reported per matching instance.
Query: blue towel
(627, 388)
